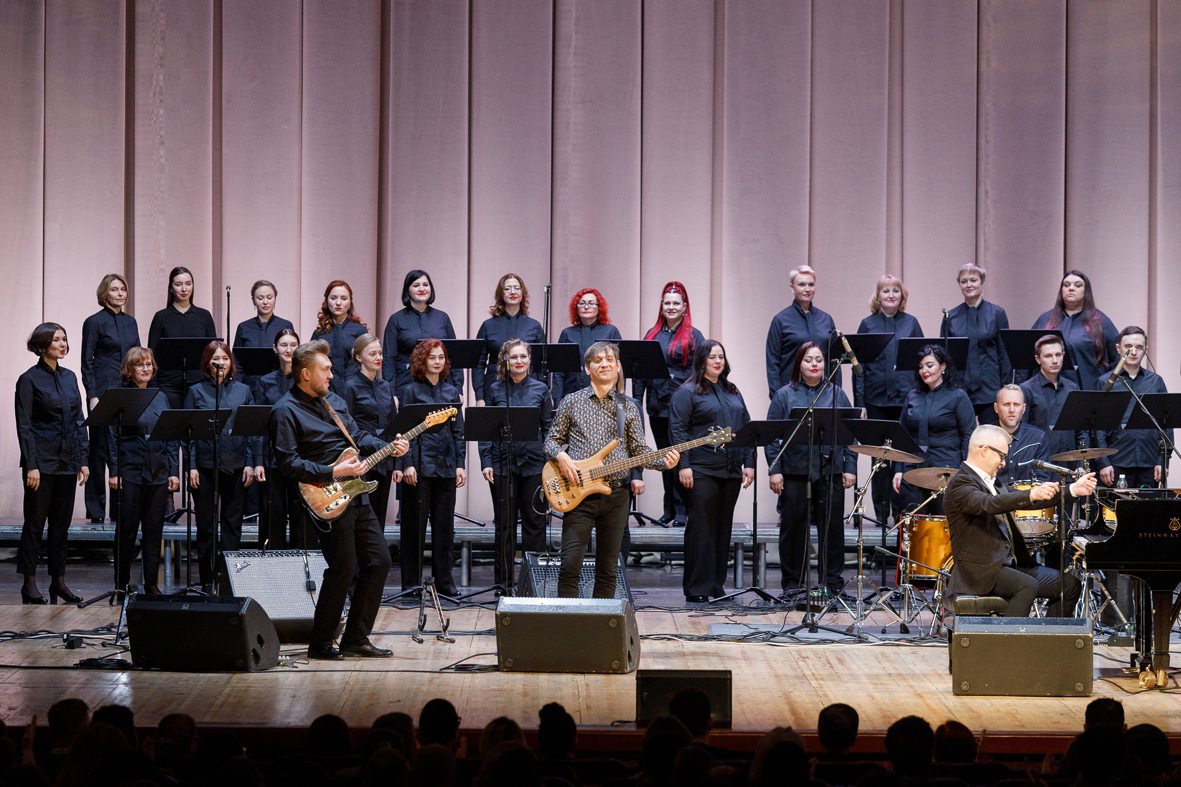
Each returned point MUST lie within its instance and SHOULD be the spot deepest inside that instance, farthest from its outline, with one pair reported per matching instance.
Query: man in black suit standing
(990, 555)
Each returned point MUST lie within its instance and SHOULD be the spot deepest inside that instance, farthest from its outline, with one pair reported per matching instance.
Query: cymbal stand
(912, 607)
(444, 623)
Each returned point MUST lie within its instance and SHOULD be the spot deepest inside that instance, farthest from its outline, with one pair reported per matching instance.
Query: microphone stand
(1166, 445)
(218, 382)
(1061, 535)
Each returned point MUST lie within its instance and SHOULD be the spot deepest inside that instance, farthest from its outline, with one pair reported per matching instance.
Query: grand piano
(1147, 546)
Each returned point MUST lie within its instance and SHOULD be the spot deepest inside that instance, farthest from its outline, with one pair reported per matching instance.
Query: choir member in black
(1046, 392)
(371, 403)
(589, 323)
(1029, 442)
(798, 323)
(939, 416)
(515, 388)
(106, 337)
(262, 329)
(180, 319)
(789, 478)
(311, 427)
(239, 460)
(280, 493)
(434, 469)
(146, 473)
(510, 320)
(418, 320)
(54, 448)
(882, 387)
(713, 476)
(1138, 450)
(1090, 336)
(981, 322)
(679, 340)
(339, 325)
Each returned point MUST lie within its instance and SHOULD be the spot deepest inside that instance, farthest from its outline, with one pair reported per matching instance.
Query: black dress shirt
(881, 386)
(680, 369)
(528, 456)
(143, 461)
(1043, 403)
(234, 453)
(371, 404)
(941, 421)
(256, 333)
(272, 386)
(168, 323)
(436, 454)
(495, 331)
(1029, 443)
(584, 336)
(1134, 447)
(49, 421)
(789, 329)
(340, 340)
(795, 459)
(1082, 350)
(988, 363)
(106, 338)
(307, 440)
(584, 424)
(691, 414)
(403, 332)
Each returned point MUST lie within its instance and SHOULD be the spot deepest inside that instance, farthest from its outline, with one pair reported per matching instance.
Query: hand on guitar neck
(570, 470)
(354, 466)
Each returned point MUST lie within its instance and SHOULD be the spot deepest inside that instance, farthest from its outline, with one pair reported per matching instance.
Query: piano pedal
(1154, 680)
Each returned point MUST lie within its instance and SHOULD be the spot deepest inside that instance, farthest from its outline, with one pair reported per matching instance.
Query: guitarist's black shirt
(307, 440)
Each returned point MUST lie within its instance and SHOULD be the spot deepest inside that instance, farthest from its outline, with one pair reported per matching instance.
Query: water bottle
(1122, 482)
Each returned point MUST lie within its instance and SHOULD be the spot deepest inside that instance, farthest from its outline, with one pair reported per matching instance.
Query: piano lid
(1147, 543)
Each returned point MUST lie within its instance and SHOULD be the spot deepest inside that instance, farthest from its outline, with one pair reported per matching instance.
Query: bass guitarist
(586, 421)
(310, 427)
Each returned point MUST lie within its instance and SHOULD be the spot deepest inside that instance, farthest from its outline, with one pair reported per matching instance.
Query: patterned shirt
(587, 423)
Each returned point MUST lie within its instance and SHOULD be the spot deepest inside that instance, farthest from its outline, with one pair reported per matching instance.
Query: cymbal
(1082, 454)
(929, 477)
(885, 452)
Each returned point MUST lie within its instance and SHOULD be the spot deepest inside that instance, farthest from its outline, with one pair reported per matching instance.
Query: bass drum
(1035, 524)
(930, 543)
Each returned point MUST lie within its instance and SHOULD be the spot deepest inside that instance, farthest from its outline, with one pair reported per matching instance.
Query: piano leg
(1162, 624)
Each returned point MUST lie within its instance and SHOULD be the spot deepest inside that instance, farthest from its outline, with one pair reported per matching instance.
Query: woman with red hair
(510, 320)
(338, 324)
(589, 323)
(679, 339)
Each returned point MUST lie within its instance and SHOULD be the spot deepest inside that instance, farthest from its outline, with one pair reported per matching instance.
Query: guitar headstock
(718, 436)
(441, 416)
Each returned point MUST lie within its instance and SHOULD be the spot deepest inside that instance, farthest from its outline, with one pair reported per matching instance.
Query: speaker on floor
(278, 581)
(201, 634)
(539, 577)
(1022, 657)
(655, 689)
(580, 635)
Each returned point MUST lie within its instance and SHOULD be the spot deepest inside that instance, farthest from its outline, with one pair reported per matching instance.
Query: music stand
(1019, 345)
(181, 354)
(867, 346)
(464, 354)
(910, 347)
(1157, 411)
(643, 359)
(253, 420)
(561, 357)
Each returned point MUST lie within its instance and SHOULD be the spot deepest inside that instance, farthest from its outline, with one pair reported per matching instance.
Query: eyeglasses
(1004, 456)
(587, 304)
(145, 365)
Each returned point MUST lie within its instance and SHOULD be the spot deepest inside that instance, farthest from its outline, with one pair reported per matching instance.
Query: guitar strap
(336, 418)
(620, 420)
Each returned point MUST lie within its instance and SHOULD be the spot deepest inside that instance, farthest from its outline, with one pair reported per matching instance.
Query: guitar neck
(643, 459)
(388, 448)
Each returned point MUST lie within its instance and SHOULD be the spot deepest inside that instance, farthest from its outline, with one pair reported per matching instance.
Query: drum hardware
(929, 478)
(933, 606)
(1095, 596)
(913, 601)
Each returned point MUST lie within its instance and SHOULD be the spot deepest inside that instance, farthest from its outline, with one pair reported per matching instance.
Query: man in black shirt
(307, 440)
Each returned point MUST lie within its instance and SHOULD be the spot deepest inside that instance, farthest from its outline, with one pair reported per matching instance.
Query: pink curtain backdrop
(608, 143)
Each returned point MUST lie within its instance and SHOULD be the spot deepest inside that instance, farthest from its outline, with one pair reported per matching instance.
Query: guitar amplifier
(1022, 657)
(278, 581)
(539, 578)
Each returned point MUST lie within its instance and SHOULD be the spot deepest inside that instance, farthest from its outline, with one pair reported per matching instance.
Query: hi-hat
(885, 452)
(929, 477)
(1082, 454)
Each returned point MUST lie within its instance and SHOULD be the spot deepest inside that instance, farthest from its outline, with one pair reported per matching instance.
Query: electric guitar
(564, 496)
(328, 501)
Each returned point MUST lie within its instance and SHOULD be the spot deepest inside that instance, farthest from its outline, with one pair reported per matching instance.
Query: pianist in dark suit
(990, 555)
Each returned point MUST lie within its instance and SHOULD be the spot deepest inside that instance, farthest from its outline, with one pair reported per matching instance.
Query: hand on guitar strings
(352, 467)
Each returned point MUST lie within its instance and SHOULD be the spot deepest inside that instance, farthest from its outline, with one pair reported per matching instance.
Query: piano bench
(980, 606)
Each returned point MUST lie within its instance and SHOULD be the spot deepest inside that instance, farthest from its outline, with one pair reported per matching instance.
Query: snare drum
(930, 543)
(1035, 523)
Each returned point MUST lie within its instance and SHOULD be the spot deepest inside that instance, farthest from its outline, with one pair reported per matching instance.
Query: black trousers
(707, 535)
(233, 502)
(1020, 586)
(793, 530)
(606, 516)
(95, 493)
(438, 496)
(676, 496)
(521, 503)
(354, 546)
(53, 502)
(379, 499)
(143, 507)
(886, 502)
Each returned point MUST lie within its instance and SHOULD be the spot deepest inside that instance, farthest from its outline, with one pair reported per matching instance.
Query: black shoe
(28, 599)
(324, 652)
(666, 519)
(696, 599)
(680, 521)
(365, 650)
(97, 520)
(59, 590)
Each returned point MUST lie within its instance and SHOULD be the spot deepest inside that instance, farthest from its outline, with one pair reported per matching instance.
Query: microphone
(1050, 468)
(857, 368)
(1119, 367)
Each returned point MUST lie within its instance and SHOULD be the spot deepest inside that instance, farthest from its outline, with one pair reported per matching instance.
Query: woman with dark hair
(417, 320)
(679, 340)
(107, 335)
(338, 324)
(371, 404)
(510, 320)
(54, 447)
(278, 494)
(146, 473)
(180, 319)
(981, 322)
(432, 470)
(789, 478)
(1091, 337)
(800, 322)
(238, 461)
(713, 477)
(589, 323)
(515, 388)
(939, 415)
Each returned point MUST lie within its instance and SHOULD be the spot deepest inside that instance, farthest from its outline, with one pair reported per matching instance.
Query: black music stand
(253, 420)
(643, 359)
(1161, 412)
(910, 347)
(498, 425)
(557, 358)
(255, 361)
(866, 346)
(181, 354)
(1019, 345)
(465, 354)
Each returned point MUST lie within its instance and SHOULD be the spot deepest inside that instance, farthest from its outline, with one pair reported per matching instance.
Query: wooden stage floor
(773, 684)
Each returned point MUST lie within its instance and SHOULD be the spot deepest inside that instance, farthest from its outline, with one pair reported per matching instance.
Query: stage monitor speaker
(580, 635)
(278, 581)
(655, 689)
(1022, 657)
(201, 634)
(539, 578)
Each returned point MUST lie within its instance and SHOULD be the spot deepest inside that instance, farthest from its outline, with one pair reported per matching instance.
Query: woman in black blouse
(262, 329)
(54, 447)
(981, 322)
(371, 404)
(433, 468)
(146, 473)
(417, 320)
(180, 319)
(279, 494)
(236, 460)
(713, 477)
(339, 325)
(589, 323)
(679, 340)
(510, 320)
(1091, 337)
